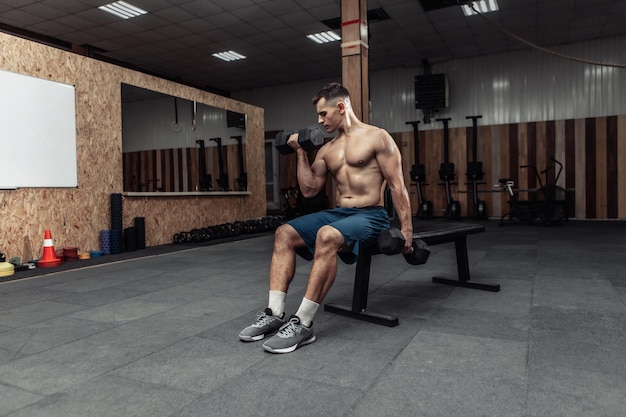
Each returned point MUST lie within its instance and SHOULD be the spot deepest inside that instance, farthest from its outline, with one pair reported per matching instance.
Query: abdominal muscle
(358, 188)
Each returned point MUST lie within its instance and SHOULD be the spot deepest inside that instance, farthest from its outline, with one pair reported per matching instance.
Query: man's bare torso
(352, 162)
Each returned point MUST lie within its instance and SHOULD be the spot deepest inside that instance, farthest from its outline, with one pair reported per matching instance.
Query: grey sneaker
(266, 323)
(291, 336)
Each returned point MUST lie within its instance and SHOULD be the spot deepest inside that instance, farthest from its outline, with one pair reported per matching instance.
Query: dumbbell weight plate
(281, 143)
(311, 138)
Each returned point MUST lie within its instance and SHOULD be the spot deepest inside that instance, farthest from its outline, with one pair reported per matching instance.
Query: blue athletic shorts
(357, 225)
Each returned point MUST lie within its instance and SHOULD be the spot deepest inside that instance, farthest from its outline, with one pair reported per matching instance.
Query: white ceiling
(177, 37)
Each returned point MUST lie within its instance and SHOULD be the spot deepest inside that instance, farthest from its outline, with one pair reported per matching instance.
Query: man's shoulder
(374, 132)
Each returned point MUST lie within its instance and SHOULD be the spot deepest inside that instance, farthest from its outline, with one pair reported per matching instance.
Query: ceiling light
(123, 9)
(229, 56)
(483, 6)
(324, 37)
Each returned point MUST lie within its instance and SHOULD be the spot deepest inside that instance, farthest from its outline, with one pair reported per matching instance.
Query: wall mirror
(171, 144)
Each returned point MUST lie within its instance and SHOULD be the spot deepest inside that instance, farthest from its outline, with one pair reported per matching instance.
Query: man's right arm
(311, 177)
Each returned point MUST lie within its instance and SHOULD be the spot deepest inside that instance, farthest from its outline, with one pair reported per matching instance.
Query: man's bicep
(319, 172)
(390, 160)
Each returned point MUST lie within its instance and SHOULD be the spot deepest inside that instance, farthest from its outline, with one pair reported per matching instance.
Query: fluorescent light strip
(229, 56)
(483, 6)
(123, 9)
(324, 37)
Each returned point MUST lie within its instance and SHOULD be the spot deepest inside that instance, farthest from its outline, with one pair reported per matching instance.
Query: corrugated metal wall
(517, 87)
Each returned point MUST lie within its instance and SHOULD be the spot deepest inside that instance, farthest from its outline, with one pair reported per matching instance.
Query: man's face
(329, 114)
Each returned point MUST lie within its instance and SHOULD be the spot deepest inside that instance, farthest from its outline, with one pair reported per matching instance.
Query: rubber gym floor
(154, 333)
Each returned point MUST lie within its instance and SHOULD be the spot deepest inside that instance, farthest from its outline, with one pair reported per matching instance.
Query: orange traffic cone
(49, 257)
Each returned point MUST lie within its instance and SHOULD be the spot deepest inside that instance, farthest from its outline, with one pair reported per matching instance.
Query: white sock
(277, 302)
(306, 311)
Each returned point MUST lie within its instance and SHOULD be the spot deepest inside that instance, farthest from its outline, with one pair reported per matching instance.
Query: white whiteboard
(37, 132)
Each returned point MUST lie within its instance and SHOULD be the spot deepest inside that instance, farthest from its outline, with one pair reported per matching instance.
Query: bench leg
(359, 297)
(462, 264)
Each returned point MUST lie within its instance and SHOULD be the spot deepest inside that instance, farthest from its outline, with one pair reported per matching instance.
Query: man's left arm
(390, 163)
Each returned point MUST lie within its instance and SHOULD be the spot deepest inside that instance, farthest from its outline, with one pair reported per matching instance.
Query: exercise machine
(549, 204)
(418, 174)
(447, 174)
(475, 172)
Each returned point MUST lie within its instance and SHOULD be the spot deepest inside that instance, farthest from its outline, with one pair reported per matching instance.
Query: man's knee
(329, 237)
(287, 235)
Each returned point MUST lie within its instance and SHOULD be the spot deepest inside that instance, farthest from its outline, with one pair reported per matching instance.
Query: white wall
(522, 86)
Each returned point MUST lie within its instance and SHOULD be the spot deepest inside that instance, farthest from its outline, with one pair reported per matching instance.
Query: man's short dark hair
(330, 92)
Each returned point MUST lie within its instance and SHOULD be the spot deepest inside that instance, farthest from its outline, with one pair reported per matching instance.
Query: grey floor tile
(479, 323)
(591, 323)
(37, 337)
(565, 392)
(195, 364)
(123, 311)
(484, 356)
(12, 399)
(402, 307)
(20, 298)
(177, 295)
(157, 283)
(109, 396)
(514, 298)
(338, 362)
(575, 293)
(580, 350)
(406, 391)
(82, 282)
(441, 374)
(292, 396)
(33, 313)
(217, 284)
(98, 297)
(151, 333)
(418, 283)
(216, 310)
(346, 330)
(57, 369)
(6, 355)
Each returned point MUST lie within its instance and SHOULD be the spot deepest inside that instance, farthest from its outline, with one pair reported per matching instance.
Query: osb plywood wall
(592, 151)
(77, 216)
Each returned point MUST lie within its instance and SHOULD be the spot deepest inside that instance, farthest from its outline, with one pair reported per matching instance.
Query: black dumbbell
(391, 242)
(309, 138)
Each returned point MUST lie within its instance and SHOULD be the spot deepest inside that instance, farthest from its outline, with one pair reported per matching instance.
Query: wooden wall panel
(611, 168)
(580, 194)
(600, 171)
(590, 168)
(621, 167)
(559, 149)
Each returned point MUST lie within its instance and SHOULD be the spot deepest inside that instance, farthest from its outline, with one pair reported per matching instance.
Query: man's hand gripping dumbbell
(391, 242)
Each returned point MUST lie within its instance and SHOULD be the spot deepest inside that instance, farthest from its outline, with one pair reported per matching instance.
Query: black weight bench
(432, 233)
